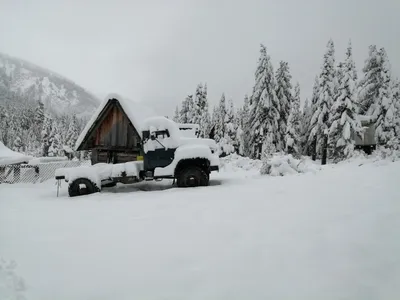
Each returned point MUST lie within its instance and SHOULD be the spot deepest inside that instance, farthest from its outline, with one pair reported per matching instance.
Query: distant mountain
(24, 81)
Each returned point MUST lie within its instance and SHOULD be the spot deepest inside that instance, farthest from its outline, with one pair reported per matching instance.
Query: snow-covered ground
(331, 234)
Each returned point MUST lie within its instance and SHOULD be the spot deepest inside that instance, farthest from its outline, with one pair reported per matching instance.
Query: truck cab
(170, 154)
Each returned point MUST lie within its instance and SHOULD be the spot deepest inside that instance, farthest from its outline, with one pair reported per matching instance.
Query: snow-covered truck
(130, 143)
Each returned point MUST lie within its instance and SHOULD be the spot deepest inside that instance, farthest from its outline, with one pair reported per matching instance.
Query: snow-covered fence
(35, 172)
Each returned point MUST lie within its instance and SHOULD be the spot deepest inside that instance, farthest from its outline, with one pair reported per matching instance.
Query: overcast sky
(158, 51)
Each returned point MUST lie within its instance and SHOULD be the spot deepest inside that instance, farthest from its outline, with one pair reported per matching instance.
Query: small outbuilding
(114, 133)
(366, 141)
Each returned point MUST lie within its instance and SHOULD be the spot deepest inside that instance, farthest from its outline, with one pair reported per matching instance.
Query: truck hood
(196, 141)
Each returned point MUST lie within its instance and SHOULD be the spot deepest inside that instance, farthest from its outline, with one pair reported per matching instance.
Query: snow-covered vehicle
(162, 151)
(189, 130)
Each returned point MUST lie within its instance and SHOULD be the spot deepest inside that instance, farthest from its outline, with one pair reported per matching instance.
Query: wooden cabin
(113, 134)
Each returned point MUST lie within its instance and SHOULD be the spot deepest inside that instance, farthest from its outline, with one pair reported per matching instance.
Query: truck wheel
(192, 176)
(82, 186)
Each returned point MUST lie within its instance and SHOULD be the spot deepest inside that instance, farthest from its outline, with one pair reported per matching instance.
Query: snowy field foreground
(330, 234)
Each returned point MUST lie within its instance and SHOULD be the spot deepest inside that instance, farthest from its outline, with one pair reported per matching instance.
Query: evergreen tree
(186, 113)
(176, 115)
(385, 109)
(201, 111)
(311, 146)
(46, 135)
(219, 116)
(320, 119)
(191, 110)
(244, 129)
(292, 136)
(230, 125)
(284, 94)
(368, 88)
(206, 118)
(38, 119)
(344, 120)
(396, 100)
(213, 123)
(304, 127)
(39, 113)
(72, 133)
(18, 145)
(265, 109)
(55, 147)
(198, 104)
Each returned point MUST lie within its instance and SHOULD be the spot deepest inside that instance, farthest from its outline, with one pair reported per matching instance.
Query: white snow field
(330, 234)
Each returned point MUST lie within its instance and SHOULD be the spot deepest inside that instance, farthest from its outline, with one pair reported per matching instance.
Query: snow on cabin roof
(8, 156)
(136, 112)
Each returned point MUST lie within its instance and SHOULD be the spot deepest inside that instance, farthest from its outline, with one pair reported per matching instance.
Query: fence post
(17, 173)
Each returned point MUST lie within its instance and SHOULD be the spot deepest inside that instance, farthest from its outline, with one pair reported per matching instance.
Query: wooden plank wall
(116, 131)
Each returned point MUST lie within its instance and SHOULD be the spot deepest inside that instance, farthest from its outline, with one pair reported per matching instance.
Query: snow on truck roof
(136, 112)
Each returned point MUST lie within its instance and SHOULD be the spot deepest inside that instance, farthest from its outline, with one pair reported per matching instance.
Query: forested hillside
(40, 112)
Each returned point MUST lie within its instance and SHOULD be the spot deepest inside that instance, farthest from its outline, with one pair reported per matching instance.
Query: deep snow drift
(330, 234)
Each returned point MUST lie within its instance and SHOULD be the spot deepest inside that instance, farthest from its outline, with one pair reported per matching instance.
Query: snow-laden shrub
(235, 162)
(225, 147)
(281, 165)
(381, 156)
(12, 286)
(382, 153)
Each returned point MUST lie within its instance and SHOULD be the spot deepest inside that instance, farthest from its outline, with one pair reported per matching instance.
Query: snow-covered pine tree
(396, 100)
(55, 148)
(220, 119)
(239, 130)
(46, 135)
(17, 144)
(72, 134)
(213, 123)
(311, 144)
(305, 117)
(191, 109)
(198, 104)
(5, 130)
(39, 112)
(292, 136)
(243, 129)
(385, 110)
(344, 120)
(201, 115)
(38, 120)
(230, 129)
(284, 94)
(320, 119)
(176, 115)
(368, 87)
(265, 109)
(205, 117)
(186, 113)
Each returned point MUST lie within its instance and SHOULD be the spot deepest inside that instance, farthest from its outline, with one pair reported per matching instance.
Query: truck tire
(82, 186)
(192, 176)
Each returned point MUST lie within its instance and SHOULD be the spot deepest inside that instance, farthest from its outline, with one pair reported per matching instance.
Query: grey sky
(158, 51)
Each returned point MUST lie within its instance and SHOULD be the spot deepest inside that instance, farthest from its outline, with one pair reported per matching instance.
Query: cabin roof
(137, 113)
(8, 156)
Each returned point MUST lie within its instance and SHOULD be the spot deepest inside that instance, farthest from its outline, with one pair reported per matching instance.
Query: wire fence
(26, 173)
